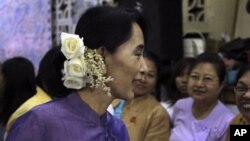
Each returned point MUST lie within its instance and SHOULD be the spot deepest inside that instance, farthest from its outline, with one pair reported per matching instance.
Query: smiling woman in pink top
(200, 116)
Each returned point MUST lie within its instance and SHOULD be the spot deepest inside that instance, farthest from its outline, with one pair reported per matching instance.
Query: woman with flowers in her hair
(99, 63)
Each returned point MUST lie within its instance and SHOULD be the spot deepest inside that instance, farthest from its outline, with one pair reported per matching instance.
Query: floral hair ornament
(83, 65)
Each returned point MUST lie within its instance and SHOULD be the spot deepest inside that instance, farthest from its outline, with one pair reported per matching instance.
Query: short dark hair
(108, 26)
(215, 60)
(173, 93)
(49, 76)
(156, 60)
(19, 76)
(236, 49)
(244, 69)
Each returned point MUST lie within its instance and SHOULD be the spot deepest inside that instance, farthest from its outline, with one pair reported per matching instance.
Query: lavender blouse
(67, 119)
(188, 128)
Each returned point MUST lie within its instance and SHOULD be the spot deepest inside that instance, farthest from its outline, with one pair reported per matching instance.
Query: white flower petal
(71, 44)
(76, 67)
(73, 82)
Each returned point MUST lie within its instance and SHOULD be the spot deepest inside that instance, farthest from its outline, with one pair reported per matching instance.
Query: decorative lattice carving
(196, 10)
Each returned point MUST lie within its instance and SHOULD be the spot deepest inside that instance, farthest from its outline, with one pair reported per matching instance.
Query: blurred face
(203, 83)
(242, 95)
(125, 63)
(145, 81)
(181, 82)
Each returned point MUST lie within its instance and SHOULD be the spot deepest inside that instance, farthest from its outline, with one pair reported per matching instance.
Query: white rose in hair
(75, 67)
(83, 65)
(73, 82)
(72, 45)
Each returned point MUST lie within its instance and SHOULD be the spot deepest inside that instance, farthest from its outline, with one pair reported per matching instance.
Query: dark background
(165, 19)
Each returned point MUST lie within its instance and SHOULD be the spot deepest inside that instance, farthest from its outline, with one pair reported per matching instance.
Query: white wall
(243, 21)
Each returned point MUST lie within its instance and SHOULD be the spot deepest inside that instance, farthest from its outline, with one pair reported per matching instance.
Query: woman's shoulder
(222, 108)
(239, 120)
(184, 103)
(151, 105)
(218, 119)
(46, 110)
(152, 100)
(226, 117)
(145, 103)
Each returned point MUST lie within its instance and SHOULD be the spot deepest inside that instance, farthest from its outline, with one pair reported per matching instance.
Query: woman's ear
(102, 51)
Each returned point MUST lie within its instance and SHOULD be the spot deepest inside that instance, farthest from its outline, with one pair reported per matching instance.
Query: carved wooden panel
(196, 10)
